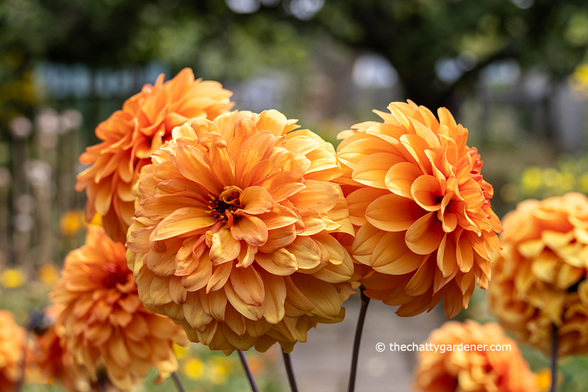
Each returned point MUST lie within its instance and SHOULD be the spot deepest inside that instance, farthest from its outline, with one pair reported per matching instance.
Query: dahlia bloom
(421, 209)
(130, 135)
(103, 323)
(234, 232)
(12, 342)
(479, 368)
(53, 361)
(540, 279)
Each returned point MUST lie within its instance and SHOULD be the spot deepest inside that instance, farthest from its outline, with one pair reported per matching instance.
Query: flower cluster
(484, 370)
(103, 323)
(422, 209)
(130, 136)
(540, 279)
(234, 232)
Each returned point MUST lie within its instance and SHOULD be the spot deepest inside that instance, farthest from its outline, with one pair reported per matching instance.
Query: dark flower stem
(290, 371)
(365, 301)
(554, 360)
(247, 369)
(178, 382)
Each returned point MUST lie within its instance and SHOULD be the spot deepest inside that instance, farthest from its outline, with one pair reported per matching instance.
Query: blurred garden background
(515, 73)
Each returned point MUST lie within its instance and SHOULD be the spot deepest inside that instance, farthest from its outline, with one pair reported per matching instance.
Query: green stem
(554, 344)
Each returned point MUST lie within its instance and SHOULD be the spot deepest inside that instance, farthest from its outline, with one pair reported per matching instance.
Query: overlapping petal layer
(130, 135)
(234, 232)
(12, 341)
(482, 368)
(540, 279)
(103, 322)
(420, 207)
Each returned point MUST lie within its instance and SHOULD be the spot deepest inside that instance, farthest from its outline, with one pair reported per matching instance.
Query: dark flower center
(226, 204)
(113, 274)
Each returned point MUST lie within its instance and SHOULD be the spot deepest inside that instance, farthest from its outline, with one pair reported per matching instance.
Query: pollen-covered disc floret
(233, 232)
(130, 135)
(540, 278)
(103, 323)
(421, 209)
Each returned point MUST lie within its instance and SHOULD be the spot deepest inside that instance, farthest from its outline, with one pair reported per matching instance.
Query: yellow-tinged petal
(371, 170)
(392, 256)
(250, 229)
(400, 177)
(424, 235)
(280, 262)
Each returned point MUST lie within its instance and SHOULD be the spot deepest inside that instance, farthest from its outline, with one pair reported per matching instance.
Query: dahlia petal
(400, 177)
(280, 262)
(279, 217)
(275, 297)
(137, 328)
(312, 222)
(465, 254)
(365, 241)
(447, 255)
(246, 255)
(452, 302)
(224, 247)
(416, 146)
(424, 132)
(250, 229)
(235, 321)
(118, 351)
(161, 206)
(219, 277)
(421, 281)
(323, 296)
(256, 200)
(449, 222)
(224, 166)
(177, 292)
(359, 201)
(252, 151)
(200, 277)
(194, 165)
(424, 235)
(371, 170)
(159, 291)
(427, 193)
(322, 196)
(278, 238)
(392, 256)
(283, 185)
(250, 311)
(393, 213)
(306, 251)
(273, 121)
(248, 285)
(181, 222)
(103, 198)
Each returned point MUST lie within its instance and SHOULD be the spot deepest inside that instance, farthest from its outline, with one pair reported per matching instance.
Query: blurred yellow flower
(97, 220)
(194, 368)
(180, 351)
(48, 274)
(12, 278)
(218, 373)
(544, 379)
(71, 222)
(532, 179)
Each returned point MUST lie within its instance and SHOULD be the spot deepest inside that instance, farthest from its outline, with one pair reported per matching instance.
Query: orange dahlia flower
(12, 341)
(421, 207)
(130, 136)
(53, 360)
(233, 232)
(103, 322)
(540, 279)
(461, 357)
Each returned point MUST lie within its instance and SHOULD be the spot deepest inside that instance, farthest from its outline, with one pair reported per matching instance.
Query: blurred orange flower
(421, 207)
(12, 341)
(130, 136)
(477, 368)
(540, 279)
(55, 362)
(232, 232)
(103, 321)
